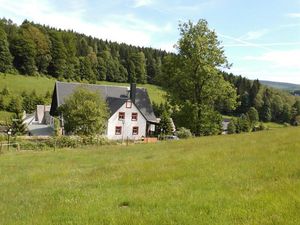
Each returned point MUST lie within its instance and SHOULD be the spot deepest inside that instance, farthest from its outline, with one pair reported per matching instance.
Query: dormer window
(121, 116)
(128, 104)
(134, 116)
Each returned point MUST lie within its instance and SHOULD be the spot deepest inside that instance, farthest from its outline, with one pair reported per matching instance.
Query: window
(121, 115)
(134, 116)
(118, 130)
(128, 104)
(135, 130)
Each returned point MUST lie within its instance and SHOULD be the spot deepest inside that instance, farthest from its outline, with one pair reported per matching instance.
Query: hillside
(281, 85)
(32, 48)
(19, 83)
(245, 179)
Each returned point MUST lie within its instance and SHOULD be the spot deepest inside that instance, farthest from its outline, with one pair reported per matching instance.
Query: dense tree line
(271, 104)
(35, 49)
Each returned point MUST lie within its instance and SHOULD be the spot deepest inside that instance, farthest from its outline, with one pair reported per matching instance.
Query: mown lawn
(251, 178)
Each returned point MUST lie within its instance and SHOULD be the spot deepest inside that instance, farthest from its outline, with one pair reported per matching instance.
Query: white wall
(127, 127)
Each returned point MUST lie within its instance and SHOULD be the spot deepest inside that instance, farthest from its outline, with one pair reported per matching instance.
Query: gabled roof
(115, 96)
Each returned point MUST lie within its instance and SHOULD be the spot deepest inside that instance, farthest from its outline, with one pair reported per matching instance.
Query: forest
(39, 50)
(33, 49)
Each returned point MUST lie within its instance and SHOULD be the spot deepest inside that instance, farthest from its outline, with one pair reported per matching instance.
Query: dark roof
(115, 97)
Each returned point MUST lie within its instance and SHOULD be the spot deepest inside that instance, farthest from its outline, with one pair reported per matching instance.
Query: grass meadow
(41, 84)
(251, 178)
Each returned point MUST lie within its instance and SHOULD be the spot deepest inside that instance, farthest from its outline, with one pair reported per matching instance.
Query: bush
(243, 124)
(77, 141)
(94, 140)
(57, 129)
(231, 129)
(286, 124)
(34, 145)
(64, 142)
(58, 142)
(184, 133)
(260, 127)
(296, 121)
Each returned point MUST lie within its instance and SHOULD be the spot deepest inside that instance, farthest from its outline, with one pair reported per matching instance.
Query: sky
(261, 38)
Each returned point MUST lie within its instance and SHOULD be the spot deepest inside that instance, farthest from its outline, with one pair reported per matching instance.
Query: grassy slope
(252, 178)
(18, 83)
(5, 116)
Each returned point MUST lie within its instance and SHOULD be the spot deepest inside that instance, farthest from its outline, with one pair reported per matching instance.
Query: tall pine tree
(57, 66)
(5, 56)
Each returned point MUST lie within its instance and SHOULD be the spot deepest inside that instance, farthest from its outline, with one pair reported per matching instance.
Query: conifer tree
(5, 56)
(18, 125)
(165, 124)
(57, 65)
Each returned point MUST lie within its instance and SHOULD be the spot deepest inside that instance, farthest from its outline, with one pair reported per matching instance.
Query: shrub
(296, 121)
(64, 142)
(253, 117)
(57, 128)
(261, 127)
(231, 129)
(184, 133)
(243, 124)
(34, 145)
(286, 124)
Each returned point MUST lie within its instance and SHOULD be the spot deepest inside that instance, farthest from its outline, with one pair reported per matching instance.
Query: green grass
(5, 116)
(18, 83)
(156, 93)
(251, 178)
(272, 125)
(268, 125)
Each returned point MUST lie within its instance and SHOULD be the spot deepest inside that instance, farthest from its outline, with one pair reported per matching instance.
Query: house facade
(131, 112)
(127, 123)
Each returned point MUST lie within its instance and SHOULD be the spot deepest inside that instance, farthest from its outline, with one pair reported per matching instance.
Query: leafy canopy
(84, 113)
(192, 77)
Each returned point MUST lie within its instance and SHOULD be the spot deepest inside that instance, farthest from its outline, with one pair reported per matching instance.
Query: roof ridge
(103, 85)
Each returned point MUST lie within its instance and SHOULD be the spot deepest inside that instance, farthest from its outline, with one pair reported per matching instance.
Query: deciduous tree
(84, 113)
(192, 77)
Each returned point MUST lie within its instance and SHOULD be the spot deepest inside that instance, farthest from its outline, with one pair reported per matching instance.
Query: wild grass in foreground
(251, 178)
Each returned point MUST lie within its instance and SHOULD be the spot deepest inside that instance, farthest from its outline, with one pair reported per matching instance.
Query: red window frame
(121, 115)
(128, 104)
(134, 116)
(118, 130)
(135, 130)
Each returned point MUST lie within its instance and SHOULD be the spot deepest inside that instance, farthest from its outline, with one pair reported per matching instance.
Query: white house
(131, 113)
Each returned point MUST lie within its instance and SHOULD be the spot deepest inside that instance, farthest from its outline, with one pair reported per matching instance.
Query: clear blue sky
(261, 37)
